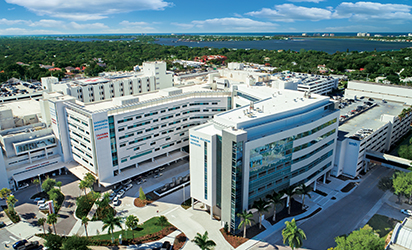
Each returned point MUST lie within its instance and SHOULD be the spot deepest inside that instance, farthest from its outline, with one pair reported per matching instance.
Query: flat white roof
(23, 108)
(280, 101)
(145, 97)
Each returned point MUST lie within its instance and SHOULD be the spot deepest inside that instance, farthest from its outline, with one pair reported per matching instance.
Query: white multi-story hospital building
(287, 138)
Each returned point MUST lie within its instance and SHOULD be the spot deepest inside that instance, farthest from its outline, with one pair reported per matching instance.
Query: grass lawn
(148, 227)
(382, 224)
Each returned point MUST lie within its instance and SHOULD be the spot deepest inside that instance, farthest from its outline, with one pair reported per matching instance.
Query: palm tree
(290, 192)
(83, 186)
(11, 201)
(274, 199)
(40, 222)
(59, 185)
(261, 206)
(246, 220)
(131, 223)
(293, 235)
(37, 182)
(52, 219)
(203, 241)
(110, 222)
(85, 221)
(162, 221)
(304, 191)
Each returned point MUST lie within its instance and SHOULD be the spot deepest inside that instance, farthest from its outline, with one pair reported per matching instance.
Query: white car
(128, 187)
(112, 196)
(41, 202)
(44, 207)
(38, 199)
(120, 193)
(116, 201)
(407, 212)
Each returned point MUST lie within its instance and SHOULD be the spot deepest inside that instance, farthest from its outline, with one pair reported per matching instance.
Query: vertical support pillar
(324, 178)
(211, 212)
(30, 157)
(45, 152)
(314, 188)
(193, 202)
(152, 159)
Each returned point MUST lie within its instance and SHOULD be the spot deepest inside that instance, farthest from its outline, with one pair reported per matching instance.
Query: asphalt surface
(343, 217)
(6, 238)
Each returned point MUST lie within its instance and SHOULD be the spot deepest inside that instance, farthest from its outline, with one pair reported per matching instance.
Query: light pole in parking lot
(41, 189)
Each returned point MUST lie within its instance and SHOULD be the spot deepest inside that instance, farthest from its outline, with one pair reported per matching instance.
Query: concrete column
(167, 154)
(193, 202)
(60, 171)
(152, 159)
(45, 152)
(287, 201)
(211, 212)
(30, 157)
(324, 178)
(137, 165)
(314, 188)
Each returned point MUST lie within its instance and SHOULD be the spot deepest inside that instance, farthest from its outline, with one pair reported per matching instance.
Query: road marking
(171, 210)
(14, 239)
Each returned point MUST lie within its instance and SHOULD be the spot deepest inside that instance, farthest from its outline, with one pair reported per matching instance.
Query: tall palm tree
(37, 182)
(85, 222)
(131, 223)
(83, 186)
(274, 199)
(110, 222)
(304, 191)
(293, 235)
(246, 220)
(203, 241)
(40, 222)
(261, 206)
(11, 201)
(52, 219)
(290, 192)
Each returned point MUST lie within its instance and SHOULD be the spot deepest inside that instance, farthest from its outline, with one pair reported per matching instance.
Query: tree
(54, 194)
(274, 199)
(52, 219)
(37, 182)
(142, 195)
(162, 221)
(261, 206)
(40, 222)
(203, 241)
(102, 204)
(53, 242)
(85, 222)
(131, 223)
(11, 201)
(304, 191)
(48, 184)
(90, 180)
(290, 192)
(385, 183)
(400, 183)
(4, 193)
(59, 185)
(246, 220)
(83, 186)
(292, 235)
(76, 243)
(362, 239)
(110, 222)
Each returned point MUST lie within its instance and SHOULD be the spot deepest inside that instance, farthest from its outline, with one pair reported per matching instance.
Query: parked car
(407, 212)
(116, 201)
(38, 199)
(19, 244)
(127, 182)
(128, 187)
(166, 246)
(112, 196)
(43, 207)
(41, 202)
(24, 186)
(370, 99)
(2, 224)
(384, 101)
(31, 245)
(120, 194)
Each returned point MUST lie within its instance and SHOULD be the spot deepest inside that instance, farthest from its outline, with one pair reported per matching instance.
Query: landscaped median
(151, 230)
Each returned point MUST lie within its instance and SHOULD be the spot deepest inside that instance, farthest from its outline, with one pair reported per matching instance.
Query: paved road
(342, 217)
(6, 238)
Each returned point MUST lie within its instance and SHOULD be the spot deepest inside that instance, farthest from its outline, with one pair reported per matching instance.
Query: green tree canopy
(203, 242)
(76, 243)
(292, 235)
(362, 239)
(48, 184)
(53, 242)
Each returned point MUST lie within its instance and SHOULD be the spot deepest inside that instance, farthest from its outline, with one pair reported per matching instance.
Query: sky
(53, 17)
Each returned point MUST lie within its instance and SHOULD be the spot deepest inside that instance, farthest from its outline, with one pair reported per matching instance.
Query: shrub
(84, 204)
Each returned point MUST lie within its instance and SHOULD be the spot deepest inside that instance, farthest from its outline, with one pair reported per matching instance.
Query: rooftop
(23, 108)
(306, 79)
(279, 101)
(368, 119)
(146, 97)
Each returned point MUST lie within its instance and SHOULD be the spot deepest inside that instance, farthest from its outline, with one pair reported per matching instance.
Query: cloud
(21, 31)
(127, 23)
(88, 9)
(50, 23)
(362, 11)
(311, 1)
(290, 13)
(5, 21)
(10, 8)
(228, 23)
(355, 28)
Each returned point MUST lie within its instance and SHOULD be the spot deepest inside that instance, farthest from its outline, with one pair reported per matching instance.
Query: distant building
(401, 236)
